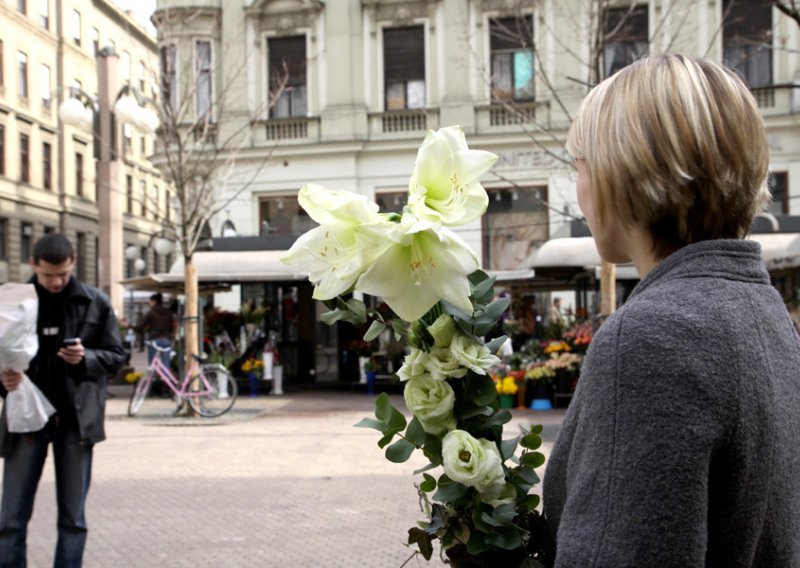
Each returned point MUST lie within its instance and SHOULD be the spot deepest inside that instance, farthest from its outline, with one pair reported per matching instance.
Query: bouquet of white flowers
(479, 507)
(27, 409)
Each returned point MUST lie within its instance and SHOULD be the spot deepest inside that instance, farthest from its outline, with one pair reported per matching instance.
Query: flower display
(539, 372)
(431, 289)
(556, 346)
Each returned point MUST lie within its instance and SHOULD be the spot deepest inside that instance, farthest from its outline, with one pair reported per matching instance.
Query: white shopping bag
(27, 409)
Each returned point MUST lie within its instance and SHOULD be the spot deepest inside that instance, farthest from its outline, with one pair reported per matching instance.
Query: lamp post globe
(132, 252)
(163, 246)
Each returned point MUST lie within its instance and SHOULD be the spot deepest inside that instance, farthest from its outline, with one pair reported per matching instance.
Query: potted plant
(506, 388)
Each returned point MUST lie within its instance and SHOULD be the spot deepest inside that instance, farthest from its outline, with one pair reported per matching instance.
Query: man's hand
(11, 379)
(72, 354)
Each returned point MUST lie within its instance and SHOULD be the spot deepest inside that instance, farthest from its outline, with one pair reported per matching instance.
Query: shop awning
(218, 270)
(779, 250)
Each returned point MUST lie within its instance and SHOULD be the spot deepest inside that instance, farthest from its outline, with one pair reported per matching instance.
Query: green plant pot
(506, 401)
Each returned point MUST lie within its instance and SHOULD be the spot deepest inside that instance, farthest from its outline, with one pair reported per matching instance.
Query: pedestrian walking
(680, 445)
(79, 348)
(158, 324)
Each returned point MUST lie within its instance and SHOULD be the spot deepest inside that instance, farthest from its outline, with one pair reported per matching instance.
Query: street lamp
(162, 246)
(98, 115)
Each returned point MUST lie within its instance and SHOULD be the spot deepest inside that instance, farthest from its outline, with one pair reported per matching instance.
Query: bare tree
(201, 137)
(790, 8)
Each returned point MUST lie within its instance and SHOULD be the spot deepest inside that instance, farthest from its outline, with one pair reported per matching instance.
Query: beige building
(48, 178)
(341, 93)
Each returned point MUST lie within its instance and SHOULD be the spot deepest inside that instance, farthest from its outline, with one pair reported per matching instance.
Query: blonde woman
(681, 447)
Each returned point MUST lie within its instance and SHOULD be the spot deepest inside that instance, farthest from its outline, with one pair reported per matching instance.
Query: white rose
(473, 355)
(442, 330)
(413, 364)
(431, 401)
(442, 365)
(473, 462)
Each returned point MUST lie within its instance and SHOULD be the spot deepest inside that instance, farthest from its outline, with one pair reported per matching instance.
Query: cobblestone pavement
(278, 482)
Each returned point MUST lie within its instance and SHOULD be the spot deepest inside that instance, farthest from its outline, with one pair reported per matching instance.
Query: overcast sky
(142, 10)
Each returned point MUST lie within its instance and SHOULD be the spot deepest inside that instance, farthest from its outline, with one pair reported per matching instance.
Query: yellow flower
(133, 377)
(507, 385)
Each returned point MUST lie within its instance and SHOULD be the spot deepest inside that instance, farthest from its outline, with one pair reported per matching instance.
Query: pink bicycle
(208, 387)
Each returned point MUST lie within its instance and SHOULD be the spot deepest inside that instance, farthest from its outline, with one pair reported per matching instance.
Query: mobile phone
(69, 341)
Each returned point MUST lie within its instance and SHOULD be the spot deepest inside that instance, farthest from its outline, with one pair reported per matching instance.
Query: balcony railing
(298, 129)
(778, 99)
(399, 123)
(503, 117)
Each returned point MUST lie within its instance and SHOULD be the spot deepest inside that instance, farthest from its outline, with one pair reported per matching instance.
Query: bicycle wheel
(140, 392)
(221, 392)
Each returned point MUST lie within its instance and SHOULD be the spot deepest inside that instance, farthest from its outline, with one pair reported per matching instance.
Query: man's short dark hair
(53, 248)
(157, 298)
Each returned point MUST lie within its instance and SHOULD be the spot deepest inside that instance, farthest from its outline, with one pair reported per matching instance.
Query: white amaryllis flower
(473, 462)
(445, 187)
(423, 264)
(473, 355)
(332, 253)
(432, 403)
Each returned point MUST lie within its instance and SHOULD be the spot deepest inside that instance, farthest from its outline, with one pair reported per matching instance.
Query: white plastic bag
(27, 409)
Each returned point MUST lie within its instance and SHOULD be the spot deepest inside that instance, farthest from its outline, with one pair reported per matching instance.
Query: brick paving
(278, 482)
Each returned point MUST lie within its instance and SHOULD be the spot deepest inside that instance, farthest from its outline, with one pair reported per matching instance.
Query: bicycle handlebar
(151, 343)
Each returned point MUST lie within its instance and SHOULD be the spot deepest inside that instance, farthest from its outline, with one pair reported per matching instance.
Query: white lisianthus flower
(333, 253)
(442, 330)
(432, 402)
(423, 264)
(444, 187)
(472, 355)
(413, 364)
(442, 365)
(473, 462)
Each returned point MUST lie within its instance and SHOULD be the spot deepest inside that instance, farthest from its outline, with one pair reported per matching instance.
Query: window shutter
(404, 54)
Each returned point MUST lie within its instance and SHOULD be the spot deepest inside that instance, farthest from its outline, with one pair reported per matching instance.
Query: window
(76, 27)
(79, 174)
(22, 87)
(391, 202)
(404, 67)
(95, 40)
(2, 149)
(140, 73)
(625, 37)
(287, 76)
(44, 13)
(76, 88)
(125, 64)
(778, 186)
(3, 239)
(48, 229)
(129, 194)
(2, 66)
(22, 6)
(47, 166)
(169, 78)
(25, 242)
(143, 146)
(283, 216)
(127, 139)
(515, 222)
(143, 197)
(747, 39)
(203, 77)
(511, 44)
(24, 158)
(155, 204)
(44, 85)
(80, 253)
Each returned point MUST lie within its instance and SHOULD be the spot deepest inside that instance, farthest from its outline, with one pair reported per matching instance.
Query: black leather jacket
(88, 315)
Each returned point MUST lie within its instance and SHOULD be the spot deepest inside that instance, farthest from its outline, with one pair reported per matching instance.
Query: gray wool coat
(681, 447)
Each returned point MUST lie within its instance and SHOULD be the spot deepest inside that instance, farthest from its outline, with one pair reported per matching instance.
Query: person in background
(680, 445)
(158, 324)
(554, 314)
(72, 375)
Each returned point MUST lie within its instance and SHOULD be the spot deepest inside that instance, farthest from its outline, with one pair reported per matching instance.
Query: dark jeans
(163, 355)
(21, 474)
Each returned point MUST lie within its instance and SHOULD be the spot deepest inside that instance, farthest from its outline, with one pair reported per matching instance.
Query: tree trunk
(190, 336)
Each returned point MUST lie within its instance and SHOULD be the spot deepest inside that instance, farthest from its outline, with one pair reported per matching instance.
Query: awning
(218, 271)
(573, 253)
(779, 250)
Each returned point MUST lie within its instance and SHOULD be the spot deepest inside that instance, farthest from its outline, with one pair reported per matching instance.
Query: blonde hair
(676, 144)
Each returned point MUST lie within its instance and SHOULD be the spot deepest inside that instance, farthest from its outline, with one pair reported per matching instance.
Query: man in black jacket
(72, 376)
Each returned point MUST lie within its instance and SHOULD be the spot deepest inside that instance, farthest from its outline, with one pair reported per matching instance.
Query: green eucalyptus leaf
(476, 545)
(508, 447)
(507, 538)
(358, 309)
(537, 429)
(529, 476)
(375, 329)
(531, 441)
(428, 467)
(489, 520)
(496, 343)
(482, 290)
(398, 327)
(429, 483)
(400, 451)
(476, 411)
(388, 414)
(530, 502)
(387, 439)
(505, 513)
(494, 310)
(415, 434)
(480, 389)
(433, 449)
(533, 459)
(456, 313)
(498, 419)
(333, 316)
(449, 490)
(370, 423)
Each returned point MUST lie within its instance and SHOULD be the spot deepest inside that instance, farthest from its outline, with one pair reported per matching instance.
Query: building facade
(341, 93)
(48, 176)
